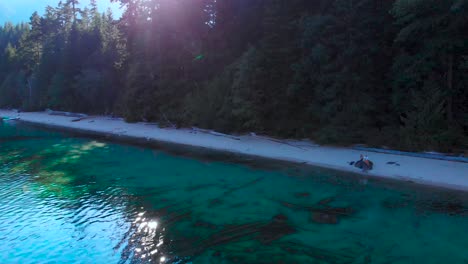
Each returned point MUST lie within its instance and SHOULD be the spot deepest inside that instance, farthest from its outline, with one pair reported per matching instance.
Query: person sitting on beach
(364, 163)
(359, 163)
(366, 160)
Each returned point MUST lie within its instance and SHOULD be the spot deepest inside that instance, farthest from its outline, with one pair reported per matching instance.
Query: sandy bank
(440, 173)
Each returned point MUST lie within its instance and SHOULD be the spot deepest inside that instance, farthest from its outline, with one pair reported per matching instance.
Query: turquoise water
(66, 199)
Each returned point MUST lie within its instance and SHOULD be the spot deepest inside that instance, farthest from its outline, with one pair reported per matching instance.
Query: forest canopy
(385, 73)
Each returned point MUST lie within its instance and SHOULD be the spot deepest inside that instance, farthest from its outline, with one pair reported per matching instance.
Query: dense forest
(381, 72)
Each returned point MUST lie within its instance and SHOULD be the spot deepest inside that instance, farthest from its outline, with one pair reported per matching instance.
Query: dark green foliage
(389, 72)
(227, 103)
(429, 87)
(12, 77)
(68, 59)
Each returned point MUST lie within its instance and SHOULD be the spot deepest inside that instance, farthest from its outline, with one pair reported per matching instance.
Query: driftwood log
(68, 114)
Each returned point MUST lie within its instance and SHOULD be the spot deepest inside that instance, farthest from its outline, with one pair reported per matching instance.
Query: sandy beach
(441, 173)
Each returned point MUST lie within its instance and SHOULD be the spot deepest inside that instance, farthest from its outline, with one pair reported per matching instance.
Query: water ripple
(126, 205)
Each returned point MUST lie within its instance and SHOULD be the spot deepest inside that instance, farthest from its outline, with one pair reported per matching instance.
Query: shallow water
(66, 199)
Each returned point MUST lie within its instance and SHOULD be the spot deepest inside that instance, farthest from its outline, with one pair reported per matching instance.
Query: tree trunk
(450, 89)
(30, 91)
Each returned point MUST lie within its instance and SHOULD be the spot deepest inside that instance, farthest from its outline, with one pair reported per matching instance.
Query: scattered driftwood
(214, 133)
(460, 157)
(78, 119)
(278, 141)
(167, 122)
(67, 114)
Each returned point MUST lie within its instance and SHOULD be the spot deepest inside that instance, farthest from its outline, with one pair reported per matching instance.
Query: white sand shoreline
(440, 173)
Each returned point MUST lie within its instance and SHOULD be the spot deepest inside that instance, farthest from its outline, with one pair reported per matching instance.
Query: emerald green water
(65, 199)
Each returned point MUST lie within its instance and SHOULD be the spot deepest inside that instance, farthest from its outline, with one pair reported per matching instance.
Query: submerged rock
(276, 229)
(324, 218)
(280, 218)
(450, 207)
(302, 195)
(204, 224)
(330, 215)
(394, 204)
(326, 201)
(215, 202)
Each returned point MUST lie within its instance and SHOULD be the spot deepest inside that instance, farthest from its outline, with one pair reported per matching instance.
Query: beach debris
(67, 114)
(214, 133)
(428, 155)
(285, 142)
(78, 119)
